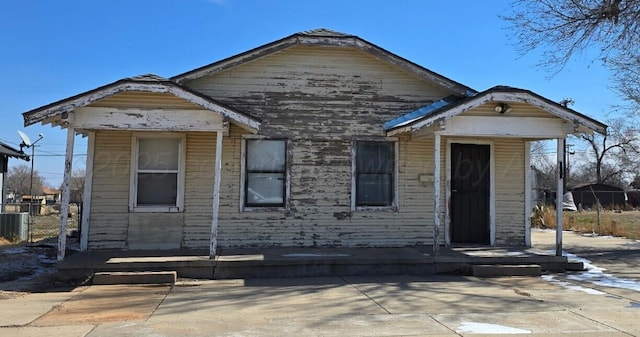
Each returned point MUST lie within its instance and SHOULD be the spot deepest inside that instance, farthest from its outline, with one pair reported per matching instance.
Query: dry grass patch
(613, 223)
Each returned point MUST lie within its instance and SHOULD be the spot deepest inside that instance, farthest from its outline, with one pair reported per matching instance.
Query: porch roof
(56, 111)
(446, 108)
(6, 150)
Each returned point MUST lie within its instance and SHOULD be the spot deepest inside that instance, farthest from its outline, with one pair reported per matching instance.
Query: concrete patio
(314, 262)
(557, 304)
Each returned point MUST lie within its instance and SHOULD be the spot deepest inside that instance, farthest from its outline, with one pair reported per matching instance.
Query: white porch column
(527, 194)
(3, 164)
(559, 195)
(216, 196)
(86, 196)
(436, 194)
(66, 193)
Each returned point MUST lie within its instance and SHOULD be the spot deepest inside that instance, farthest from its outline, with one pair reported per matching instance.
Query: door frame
(492, 187)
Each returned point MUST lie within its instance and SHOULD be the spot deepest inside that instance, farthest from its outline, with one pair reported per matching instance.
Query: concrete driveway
(346, 306)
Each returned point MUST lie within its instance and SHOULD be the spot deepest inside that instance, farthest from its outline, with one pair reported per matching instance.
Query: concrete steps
(139, 277)
(574, 266)
(120, 267)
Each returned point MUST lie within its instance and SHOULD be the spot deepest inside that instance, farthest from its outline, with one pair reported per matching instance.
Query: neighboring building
(609, 196)
(317, 139)
(52, 196)
(7, 152)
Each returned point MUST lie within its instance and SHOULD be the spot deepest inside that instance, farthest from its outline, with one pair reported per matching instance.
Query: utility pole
(565, 102)
(26, 142)
(568, 167)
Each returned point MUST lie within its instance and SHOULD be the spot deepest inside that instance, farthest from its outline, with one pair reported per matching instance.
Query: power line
(61, 155)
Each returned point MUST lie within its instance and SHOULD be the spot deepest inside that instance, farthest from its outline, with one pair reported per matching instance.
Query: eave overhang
(8, 151)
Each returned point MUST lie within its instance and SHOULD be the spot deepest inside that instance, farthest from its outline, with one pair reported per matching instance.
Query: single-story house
(317, 139)
(51, 195)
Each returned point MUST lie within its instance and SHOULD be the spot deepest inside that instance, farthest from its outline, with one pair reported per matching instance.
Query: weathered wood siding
(319, 92)
(109, 218)
(519, 110)
(320, 212)
(111, 223)
(198, 197)
(510, 189)
(321, 99)
(151, 231)
(144, 100)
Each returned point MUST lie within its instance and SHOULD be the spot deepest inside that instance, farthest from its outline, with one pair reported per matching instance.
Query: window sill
(376, 209)
(156, 209)
(265, 209)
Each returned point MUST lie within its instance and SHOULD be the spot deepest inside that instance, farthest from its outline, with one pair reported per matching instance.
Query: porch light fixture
(503, 108)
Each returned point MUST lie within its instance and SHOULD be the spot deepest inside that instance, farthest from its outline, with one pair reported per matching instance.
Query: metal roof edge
(420, 112)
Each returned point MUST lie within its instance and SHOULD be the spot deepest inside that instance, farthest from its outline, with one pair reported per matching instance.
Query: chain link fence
(34, 222)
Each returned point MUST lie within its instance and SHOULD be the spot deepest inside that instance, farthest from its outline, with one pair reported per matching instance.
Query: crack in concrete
(366, 295)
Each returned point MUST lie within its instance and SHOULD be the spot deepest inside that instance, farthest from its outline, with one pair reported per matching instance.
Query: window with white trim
(157, 170)
(265, 173)
(374, 173)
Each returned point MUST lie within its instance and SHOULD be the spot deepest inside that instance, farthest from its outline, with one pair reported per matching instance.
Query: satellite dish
(25, 139)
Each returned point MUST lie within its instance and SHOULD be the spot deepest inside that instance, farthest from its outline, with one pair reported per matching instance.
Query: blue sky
(51, 50)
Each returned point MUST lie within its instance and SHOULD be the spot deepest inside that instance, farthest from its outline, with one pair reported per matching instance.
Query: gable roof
(146, 83)
(441, 111)
(325, 37)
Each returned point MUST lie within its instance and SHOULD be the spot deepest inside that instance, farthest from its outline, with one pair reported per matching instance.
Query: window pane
(266, 155)
(374, 157)
(374, 189)
(265, 188)
(158, 153)
(157, 188)
(374, 173)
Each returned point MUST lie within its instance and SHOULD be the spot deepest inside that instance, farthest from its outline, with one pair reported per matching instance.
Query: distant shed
(609, 196)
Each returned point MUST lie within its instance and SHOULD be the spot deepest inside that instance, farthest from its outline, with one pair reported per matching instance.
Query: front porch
(311, 262)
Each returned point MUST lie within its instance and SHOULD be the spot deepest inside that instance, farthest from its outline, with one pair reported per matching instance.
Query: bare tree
(19, 180)
(636, 182)
(544, 166)
(563, 28)
(612, 175)
(616, 153)
(76, 185)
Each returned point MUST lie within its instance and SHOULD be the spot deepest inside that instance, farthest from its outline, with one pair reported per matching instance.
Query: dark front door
(470, 192)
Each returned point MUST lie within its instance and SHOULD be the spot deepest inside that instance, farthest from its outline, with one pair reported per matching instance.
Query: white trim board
(135, 119)
(503, 126)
